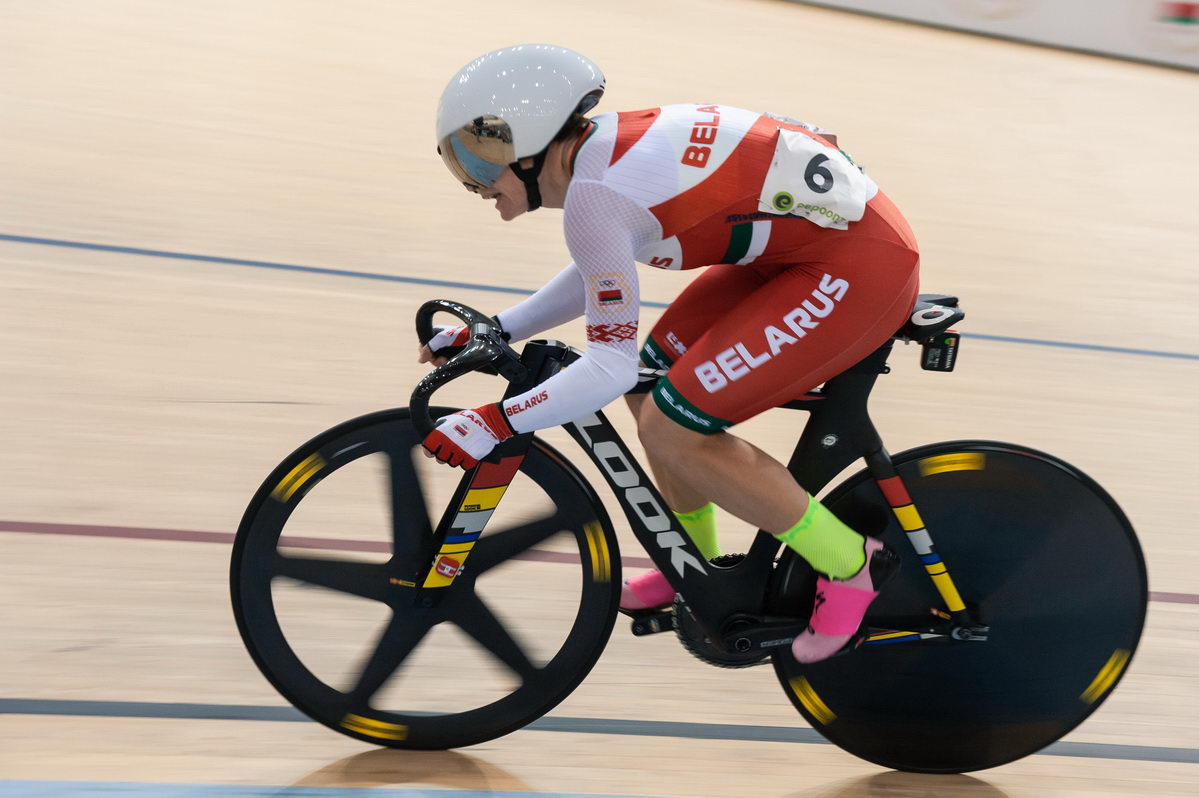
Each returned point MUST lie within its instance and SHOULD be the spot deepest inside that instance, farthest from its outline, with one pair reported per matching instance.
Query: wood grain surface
(214, 221)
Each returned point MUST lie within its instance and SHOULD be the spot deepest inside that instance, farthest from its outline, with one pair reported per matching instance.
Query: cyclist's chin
(509, 210)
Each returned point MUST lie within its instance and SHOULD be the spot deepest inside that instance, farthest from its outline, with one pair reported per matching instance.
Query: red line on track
(192, 536)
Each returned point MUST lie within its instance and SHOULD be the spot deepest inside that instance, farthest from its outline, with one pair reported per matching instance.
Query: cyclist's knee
(635, 402)
(658, 431)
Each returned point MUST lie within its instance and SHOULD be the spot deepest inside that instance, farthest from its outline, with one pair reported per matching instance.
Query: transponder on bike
(809, 269)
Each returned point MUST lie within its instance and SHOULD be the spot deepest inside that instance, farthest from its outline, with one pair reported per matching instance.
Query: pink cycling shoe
(841, 604)
(646, 592)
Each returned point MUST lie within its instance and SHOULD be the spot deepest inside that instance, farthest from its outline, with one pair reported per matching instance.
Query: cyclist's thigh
(800, 329)
(708, 297)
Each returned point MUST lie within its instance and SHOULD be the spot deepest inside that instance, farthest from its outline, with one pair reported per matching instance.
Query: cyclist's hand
(466, 437)
(445, 343)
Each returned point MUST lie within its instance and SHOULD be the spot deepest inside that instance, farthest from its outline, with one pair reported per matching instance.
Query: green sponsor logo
(836, 217)
(784, 202)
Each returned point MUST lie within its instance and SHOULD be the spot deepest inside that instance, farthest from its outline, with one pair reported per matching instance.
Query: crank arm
(651, 622)
(763, 636)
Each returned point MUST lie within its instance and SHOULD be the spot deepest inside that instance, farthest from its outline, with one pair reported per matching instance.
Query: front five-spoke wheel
(334, 598)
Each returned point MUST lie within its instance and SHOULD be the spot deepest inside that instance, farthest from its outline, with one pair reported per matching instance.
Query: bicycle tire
(257, 563)
(1046, 558)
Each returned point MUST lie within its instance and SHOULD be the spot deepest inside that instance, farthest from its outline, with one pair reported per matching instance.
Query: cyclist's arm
(557, 302)
(603, 232)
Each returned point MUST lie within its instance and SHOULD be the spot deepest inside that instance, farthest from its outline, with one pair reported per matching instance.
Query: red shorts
(743, 339)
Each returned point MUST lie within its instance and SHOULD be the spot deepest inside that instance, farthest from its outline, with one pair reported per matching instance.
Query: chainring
(699, 644)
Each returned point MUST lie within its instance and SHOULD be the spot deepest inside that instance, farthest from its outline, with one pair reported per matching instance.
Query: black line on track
(395, 278)
(648, 728)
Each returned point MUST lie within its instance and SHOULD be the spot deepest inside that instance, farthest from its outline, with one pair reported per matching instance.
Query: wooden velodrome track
(166, 169)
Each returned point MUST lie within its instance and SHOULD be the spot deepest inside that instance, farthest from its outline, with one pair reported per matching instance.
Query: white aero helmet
(509, 104)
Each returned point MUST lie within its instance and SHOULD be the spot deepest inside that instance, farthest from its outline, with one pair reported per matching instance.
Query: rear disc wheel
(1042, 554)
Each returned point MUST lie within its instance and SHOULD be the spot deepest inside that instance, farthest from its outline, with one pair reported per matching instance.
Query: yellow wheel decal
(1107, 676)
(296, 478)
(374, 728)
(811, 702)
(965, 461)
(601, 567)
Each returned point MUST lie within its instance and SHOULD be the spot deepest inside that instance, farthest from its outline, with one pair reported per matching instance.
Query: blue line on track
(119, 789)
(549, 723)
(504, 289)
(1123, 350)
(265, 264)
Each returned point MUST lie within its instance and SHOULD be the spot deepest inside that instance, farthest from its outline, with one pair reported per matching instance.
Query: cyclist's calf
(674, 486)
(720, 468)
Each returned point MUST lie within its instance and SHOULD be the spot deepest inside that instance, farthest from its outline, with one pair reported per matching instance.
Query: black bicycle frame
(838, 432)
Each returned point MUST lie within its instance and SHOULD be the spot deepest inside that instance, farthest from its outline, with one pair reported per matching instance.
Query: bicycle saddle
(933, 314)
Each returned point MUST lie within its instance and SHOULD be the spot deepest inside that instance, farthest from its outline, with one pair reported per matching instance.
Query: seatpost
(840, 430)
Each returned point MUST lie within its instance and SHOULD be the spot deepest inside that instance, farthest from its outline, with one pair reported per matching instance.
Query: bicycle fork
(965, 625)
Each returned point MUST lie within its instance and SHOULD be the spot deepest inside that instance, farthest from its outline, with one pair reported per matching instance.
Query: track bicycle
(1018, 605)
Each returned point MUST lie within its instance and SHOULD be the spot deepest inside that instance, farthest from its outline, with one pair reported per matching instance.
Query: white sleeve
(556, 302)
(604, 230)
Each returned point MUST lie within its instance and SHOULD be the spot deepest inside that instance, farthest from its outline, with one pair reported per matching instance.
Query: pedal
(940, 352)
(884, 565)
(652, 623)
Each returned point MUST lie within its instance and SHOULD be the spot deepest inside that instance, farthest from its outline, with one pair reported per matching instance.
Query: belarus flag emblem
(447, 566)
(1179, 13)
(612, 297)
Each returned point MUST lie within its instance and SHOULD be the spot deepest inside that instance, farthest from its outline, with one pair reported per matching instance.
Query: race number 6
(814, 171)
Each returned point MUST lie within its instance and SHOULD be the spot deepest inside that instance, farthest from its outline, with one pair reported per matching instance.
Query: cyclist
(809, 268)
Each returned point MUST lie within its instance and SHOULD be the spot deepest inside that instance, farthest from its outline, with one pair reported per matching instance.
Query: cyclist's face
(511, 199)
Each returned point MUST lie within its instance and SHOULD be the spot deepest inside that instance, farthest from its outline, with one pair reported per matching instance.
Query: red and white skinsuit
(786, 301)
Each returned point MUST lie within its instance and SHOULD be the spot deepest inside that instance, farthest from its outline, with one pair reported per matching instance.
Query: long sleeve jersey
(676, 187)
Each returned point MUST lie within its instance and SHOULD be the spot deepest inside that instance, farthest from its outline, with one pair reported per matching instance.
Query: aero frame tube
(655, 526)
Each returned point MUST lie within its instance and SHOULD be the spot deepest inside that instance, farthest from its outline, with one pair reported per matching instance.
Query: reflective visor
(478, 152)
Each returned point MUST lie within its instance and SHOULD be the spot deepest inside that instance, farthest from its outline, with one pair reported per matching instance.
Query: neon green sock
(828, 545)
(700, 526)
